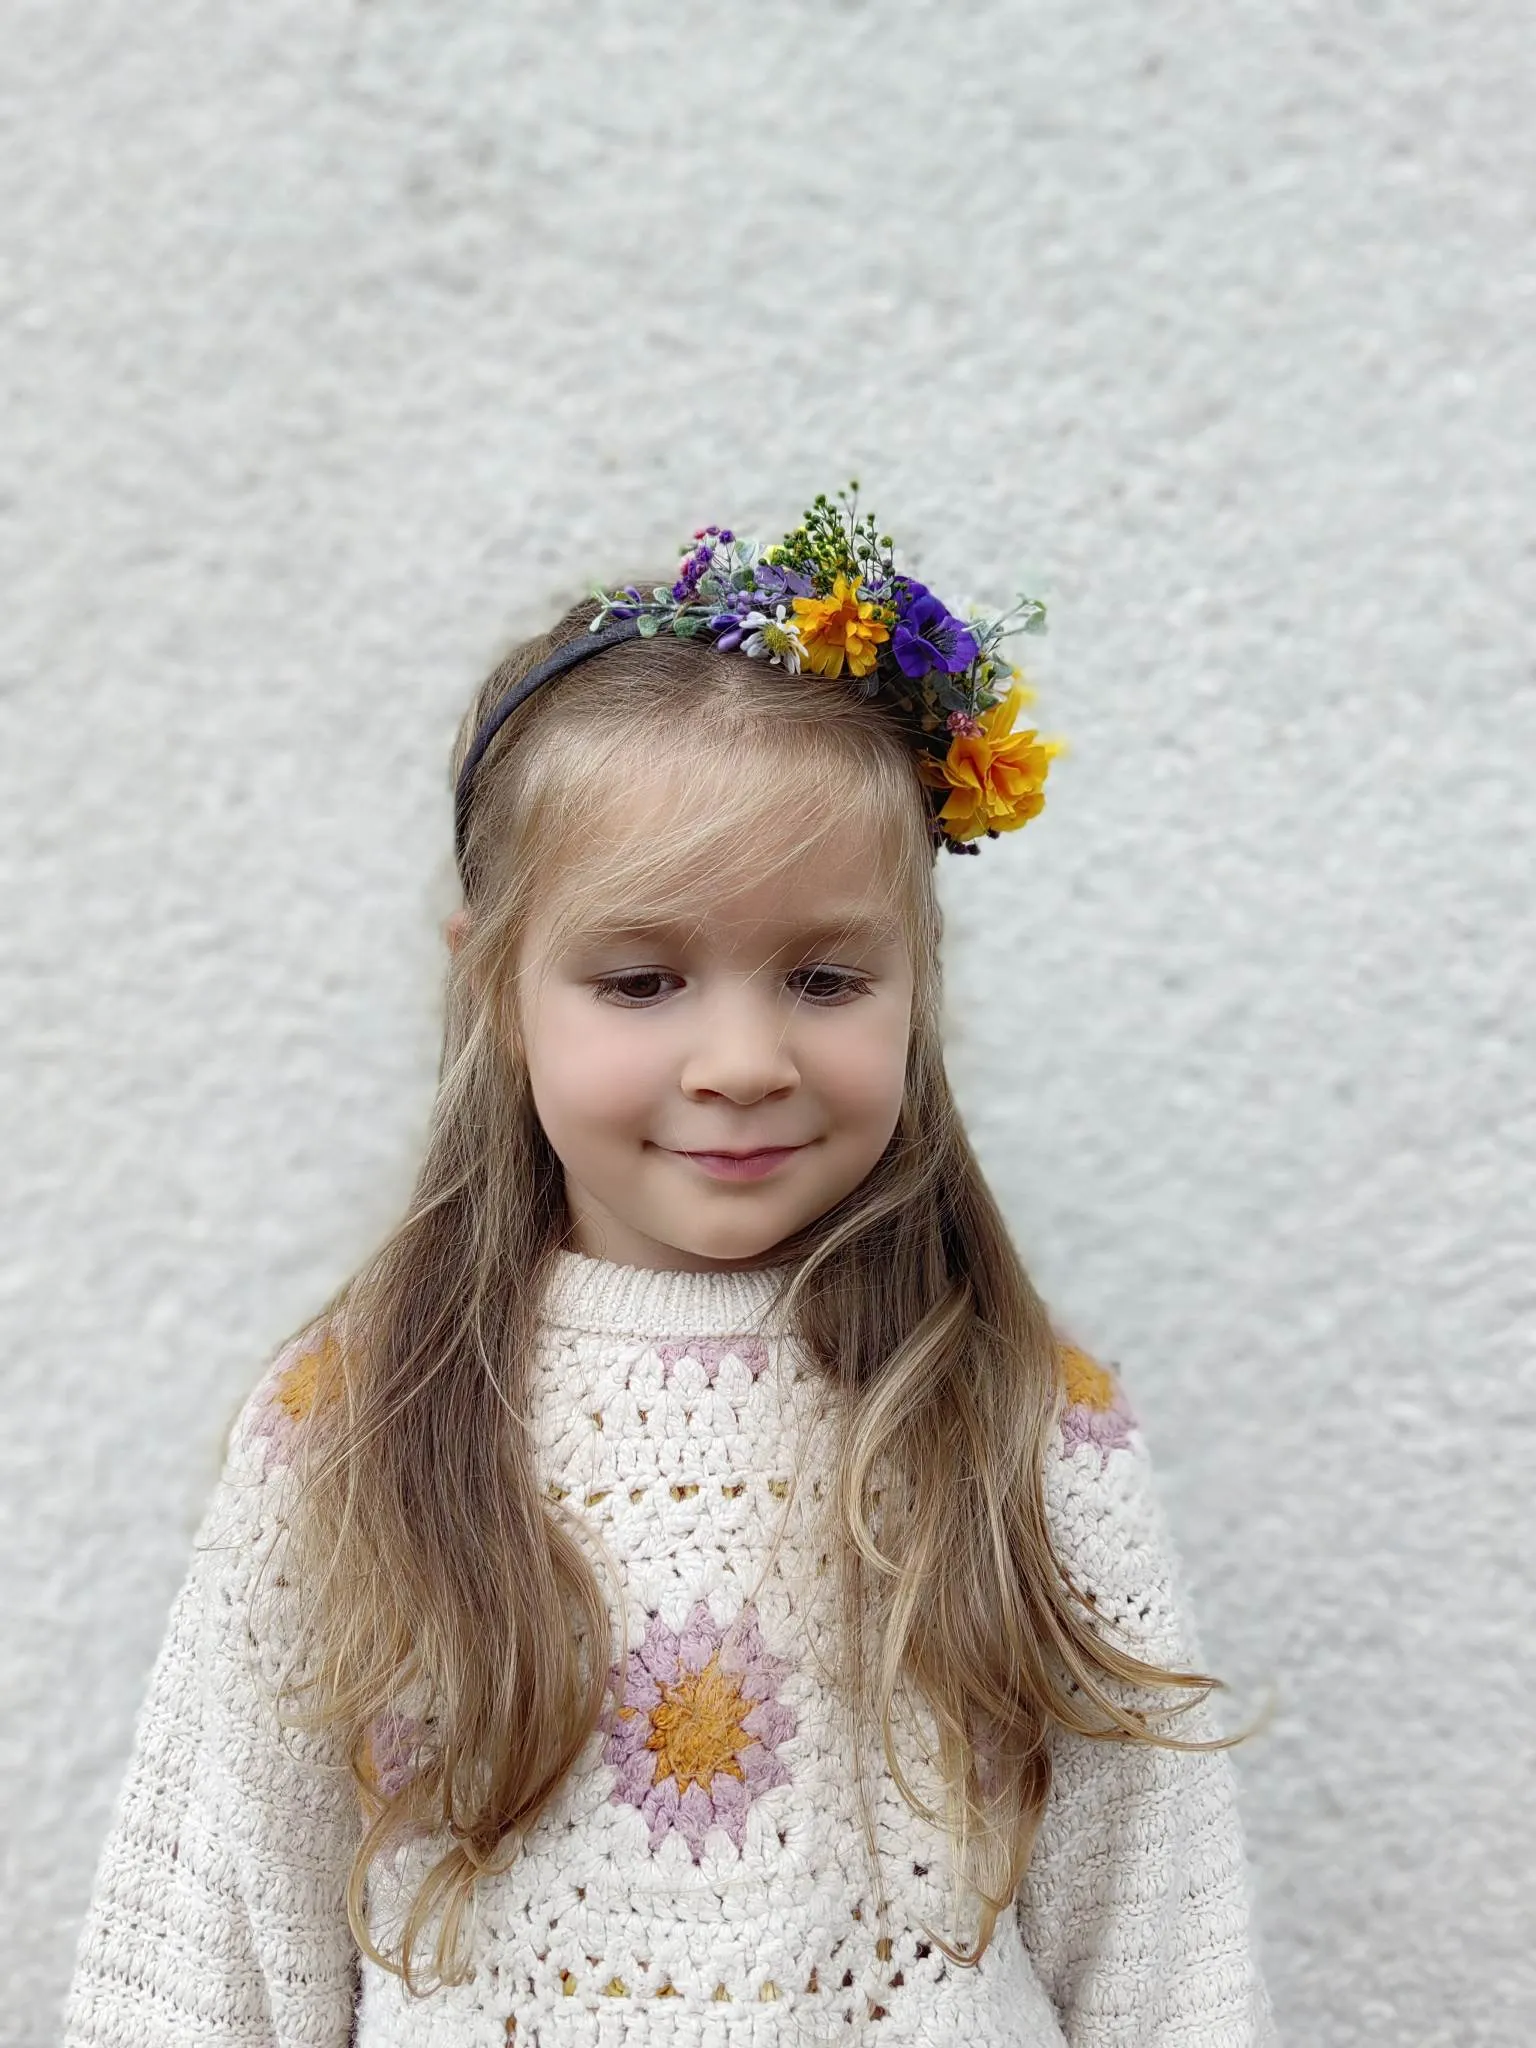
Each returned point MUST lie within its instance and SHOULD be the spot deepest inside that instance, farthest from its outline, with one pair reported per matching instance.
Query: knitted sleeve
(217, 1917)
(1135, 1904)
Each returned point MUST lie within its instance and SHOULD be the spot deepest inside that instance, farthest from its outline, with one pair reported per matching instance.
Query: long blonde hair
(433, 1562)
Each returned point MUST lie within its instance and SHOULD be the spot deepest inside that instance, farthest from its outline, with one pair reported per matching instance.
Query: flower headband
(829, 597)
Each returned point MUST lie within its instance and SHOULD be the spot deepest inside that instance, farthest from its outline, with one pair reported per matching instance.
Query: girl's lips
(742, 1166)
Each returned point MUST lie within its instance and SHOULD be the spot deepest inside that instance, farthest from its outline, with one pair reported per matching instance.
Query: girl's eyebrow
(857, 926)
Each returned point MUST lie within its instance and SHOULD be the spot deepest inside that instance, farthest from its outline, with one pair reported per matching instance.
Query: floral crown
(828, 597)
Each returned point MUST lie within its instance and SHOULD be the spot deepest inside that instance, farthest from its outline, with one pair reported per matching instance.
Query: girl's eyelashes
(639, 988)
(839, 984)
(621, 988)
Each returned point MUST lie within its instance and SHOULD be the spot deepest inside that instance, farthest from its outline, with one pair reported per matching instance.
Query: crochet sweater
(703, 1876)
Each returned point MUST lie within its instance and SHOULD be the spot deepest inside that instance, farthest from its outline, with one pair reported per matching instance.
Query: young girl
(684, 1589)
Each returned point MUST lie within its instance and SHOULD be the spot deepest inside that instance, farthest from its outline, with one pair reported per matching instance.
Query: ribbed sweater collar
(603, 1299)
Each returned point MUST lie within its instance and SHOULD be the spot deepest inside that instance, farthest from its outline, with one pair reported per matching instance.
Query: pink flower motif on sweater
(394, 1748)
(1097, 1411)
(695, 1738)
(711, 1352)
(286, 1396)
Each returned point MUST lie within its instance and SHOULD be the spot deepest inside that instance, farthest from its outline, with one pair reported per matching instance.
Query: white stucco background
(341, 342)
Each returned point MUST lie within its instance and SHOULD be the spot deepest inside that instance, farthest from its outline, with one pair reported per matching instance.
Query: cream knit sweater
(703, 1877)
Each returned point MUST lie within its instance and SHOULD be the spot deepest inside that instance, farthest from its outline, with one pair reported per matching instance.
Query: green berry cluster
(833, 540)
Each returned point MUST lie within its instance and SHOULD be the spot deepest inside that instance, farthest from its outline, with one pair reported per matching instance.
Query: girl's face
(713, 1086)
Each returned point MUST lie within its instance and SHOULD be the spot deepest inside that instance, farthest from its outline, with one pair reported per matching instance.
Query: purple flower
(773, 583)
(689, 572)
(929, 636)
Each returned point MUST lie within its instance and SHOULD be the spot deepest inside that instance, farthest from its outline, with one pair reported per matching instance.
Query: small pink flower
(1097, 1411)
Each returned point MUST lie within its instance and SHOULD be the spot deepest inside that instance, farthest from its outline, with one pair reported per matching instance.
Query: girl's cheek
(575, 1060)
(614, 1072)
(867, 1080)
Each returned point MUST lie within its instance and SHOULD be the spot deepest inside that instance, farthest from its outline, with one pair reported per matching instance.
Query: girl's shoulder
(1095, 1414)
(1106, 1514)
(300, 1381)
(249, 1518)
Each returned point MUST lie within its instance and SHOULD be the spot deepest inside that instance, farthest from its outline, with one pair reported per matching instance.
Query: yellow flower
(995, 776)
(838, 627)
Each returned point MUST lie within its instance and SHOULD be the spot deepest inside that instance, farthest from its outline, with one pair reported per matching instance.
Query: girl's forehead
(795, 880)
(807, 899)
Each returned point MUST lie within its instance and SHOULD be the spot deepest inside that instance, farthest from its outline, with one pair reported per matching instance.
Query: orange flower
(995, 776)
(838, 627)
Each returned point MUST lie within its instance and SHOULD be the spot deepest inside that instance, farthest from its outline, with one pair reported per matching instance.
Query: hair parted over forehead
(438, 1579)
(733, 772)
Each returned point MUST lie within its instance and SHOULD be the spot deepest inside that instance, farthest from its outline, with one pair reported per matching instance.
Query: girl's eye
(832, 985)
(634, 990)
(643, 987)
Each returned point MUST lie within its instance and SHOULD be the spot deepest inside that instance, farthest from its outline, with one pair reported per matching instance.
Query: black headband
(565, 656)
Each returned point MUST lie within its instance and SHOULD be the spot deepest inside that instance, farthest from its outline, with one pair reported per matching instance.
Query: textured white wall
(341, 341)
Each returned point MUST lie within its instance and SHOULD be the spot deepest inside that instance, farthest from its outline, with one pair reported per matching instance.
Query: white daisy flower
(777, 639)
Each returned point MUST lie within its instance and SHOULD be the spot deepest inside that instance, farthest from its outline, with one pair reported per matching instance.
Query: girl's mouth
(742, 1165)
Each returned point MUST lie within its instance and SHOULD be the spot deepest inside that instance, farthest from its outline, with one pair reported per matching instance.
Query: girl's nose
(742, 1050)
